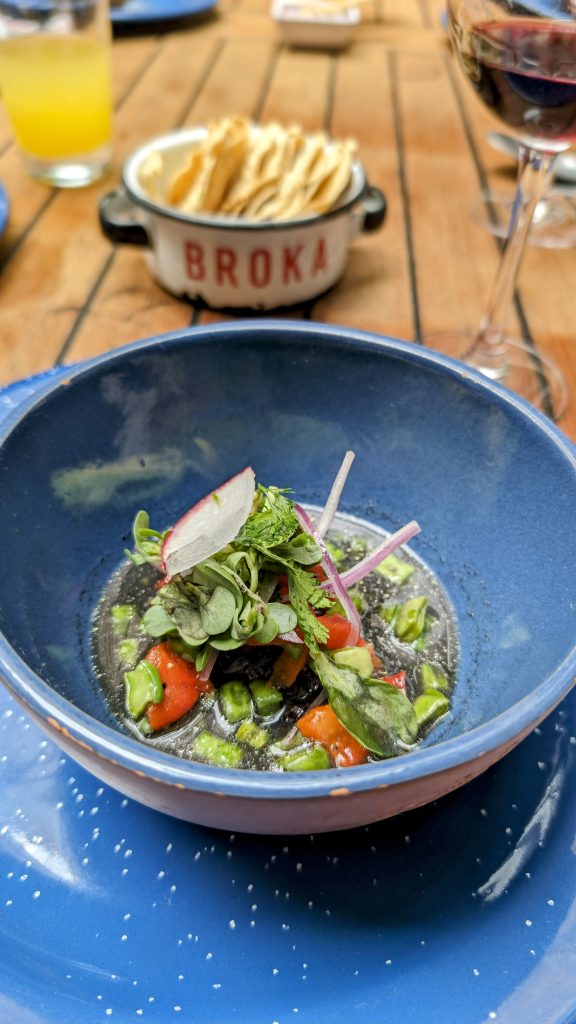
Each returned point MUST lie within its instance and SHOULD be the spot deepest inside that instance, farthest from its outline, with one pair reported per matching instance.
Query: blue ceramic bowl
(158, 424)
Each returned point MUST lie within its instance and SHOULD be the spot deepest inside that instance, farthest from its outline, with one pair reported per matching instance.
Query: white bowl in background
(330, 30)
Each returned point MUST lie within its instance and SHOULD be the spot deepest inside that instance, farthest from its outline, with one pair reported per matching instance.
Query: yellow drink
(57, 93)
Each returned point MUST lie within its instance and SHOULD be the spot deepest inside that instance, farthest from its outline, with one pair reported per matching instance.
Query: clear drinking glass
(55, 83)
(521, 60)
(553, 224)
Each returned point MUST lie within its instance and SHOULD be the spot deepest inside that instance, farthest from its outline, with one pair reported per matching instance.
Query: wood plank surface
(67, 294)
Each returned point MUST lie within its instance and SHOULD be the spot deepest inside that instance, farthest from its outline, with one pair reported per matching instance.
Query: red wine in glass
(525, 71)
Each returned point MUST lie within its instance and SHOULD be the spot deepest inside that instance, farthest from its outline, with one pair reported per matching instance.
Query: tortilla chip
(183, 181)
(150, 175)
(261, 173)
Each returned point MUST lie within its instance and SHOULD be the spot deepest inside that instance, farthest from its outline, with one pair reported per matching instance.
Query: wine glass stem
(534, 175)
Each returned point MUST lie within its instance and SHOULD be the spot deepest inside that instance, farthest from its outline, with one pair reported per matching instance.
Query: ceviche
(257, 633)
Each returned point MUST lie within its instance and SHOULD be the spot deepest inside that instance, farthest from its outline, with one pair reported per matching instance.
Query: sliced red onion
(334, 580)
(361, 569)
(334, 497)
(204, 675)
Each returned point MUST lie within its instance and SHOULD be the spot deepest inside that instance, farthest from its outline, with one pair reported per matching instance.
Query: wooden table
(67, 294)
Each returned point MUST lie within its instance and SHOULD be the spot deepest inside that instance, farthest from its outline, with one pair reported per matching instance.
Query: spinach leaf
(380, 717)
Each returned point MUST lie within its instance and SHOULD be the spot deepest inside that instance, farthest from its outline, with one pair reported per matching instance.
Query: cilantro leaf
(273, 522)
(302, 588)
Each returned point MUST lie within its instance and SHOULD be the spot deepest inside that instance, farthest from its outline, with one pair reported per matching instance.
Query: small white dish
(302, 26)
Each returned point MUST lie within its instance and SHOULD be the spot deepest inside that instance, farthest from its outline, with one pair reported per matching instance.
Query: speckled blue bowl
(158, 424)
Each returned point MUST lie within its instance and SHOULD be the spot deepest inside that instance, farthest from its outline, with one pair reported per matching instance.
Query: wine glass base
(514, 364)
(553, 226)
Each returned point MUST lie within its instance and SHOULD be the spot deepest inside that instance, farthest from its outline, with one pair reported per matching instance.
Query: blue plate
(135, 13)
(463, 912)
(4, 209)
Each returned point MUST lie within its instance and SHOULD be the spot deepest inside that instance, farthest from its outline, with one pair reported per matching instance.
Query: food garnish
(247, 578)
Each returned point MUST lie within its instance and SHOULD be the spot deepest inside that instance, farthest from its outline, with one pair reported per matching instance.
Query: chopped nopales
(210, 525)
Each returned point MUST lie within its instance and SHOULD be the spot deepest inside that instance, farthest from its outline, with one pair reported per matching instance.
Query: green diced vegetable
(128, 653)
(395, 570)
(410, 619)
(433, 679)
(336, 554)
(356, 658)
(143, 686)
(145, 728)
(250, 733)
(422, 640)
(215, 750)
(358, 547)
(309, 759)
(388, 612)
(288, 742)
(121, 616)
(267, 699)
(429, 706)
(235, 701)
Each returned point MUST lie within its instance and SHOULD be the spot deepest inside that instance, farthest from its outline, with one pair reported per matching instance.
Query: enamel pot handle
(374, 206)
(118, 220)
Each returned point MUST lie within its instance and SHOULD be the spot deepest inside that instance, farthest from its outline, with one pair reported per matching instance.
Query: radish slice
(361, 569)
(334, 580)
(210, 525)
(334, 496)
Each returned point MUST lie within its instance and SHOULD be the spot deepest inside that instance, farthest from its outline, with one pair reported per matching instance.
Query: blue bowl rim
(126, 752)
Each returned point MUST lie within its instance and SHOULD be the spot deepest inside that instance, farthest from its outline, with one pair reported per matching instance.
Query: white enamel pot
(230, 262)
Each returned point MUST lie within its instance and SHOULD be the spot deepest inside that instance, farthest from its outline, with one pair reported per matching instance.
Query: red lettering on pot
(260, 268)
(226, 266)
(194, 257)
(319, 262)
(291, 267)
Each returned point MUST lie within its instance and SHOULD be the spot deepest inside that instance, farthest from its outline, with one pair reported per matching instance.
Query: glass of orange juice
(55, 84)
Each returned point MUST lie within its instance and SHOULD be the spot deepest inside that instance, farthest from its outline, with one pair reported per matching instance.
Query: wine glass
(554, 222)
(521, 60)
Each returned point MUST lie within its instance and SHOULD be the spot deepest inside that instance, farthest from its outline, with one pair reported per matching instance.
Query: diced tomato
(318, 572)
(340, 632)
(321, 725)
(289, 665)
(398, 680)
(182, 687)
